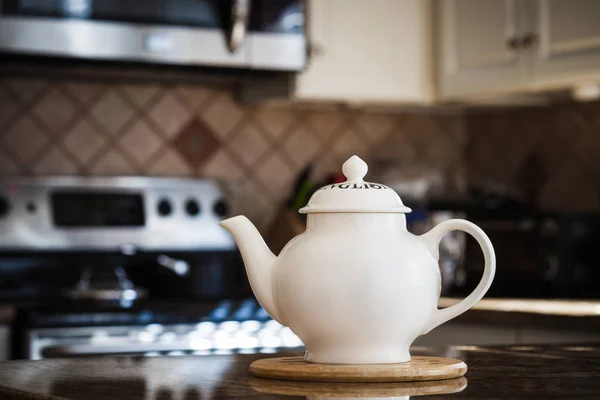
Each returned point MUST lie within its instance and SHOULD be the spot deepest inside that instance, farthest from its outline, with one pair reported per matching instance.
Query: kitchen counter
(574, 315)
(568, 308)
(516, 372)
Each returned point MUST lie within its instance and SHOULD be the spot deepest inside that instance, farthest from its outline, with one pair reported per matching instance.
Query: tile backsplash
(550, 156)
(91, 128)
(70, 127)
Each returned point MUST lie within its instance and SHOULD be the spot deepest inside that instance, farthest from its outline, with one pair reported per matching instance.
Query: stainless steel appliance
(121, 213)
(224, 328)
(125, 265)
(258, 34)
(549, 255)
(539, 254)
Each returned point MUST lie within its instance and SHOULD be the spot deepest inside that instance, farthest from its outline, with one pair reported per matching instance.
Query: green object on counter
(302, 186)
(302, 196)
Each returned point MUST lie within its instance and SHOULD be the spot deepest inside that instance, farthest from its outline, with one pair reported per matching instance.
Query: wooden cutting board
(419, 368)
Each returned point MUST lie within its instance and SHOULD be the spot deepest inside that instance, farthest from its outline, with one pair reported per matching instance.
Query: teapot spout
(258, 259)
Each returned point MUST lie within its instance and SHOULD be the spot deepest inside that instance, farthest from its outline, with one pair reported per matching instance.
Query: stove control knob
(164, 207)
(221, 208)
(4, 206)
(192, 208)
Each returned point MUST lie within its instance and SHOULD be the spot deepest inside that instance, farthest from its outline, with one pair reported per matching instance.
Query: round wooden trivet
(357, 390)
(419, 368)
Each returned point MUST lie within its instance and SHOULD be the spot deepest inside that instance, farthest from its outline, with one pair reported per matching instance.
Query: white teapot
(356, 286)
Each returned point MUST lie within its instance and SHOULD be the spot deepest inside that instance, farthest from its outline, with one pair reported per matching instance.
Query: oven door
(267, 34)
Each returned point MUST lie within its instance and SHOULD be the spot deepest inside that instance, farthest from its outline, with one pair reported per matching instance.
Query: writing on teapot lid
(355, 195)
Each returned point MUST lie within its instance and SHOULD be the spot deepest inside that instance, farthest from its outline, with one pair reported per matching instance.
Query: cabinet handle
(513, 43)
(529, 40)
(240, 12)
(314, 50)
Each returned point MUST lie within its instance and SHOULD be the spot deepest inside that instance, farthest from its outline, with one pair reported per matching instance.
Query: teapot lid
(355, 195)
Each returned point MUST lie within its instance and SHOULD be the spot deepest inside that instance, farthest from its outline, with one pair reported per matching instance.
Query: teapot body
(356, 288)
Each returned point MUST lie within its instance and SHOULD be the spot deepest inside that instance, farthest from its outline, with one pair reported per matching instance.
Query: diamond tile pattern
(276, 175)
(111, 164)
(222, 165)
(326, 124)
(254, 202)
(26, 139)
(222, 114)
(112, 112)
(84, 141)
(196, 96)
(301, 146)
(375, 126)
(348, 143)
(8, 106)
(8, 167)
(55, 110)
(276, 122)
(549, 155)
(140, 141)
(84, 92)
(249, 145)
(26, 89)
(54, 162)
(195, 143)
(169, 114)
(141, 94)
(169, 163)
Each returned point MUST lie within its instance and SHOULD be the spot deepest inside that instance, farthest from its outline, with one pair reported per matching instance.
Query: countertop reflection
(517, 372)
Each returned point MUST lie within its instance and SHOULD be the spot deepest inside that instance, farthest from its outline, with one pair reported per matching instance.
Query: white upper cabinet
(491, 47)
(369, 51)
(429, 51)
(568, 42)
(479, 41)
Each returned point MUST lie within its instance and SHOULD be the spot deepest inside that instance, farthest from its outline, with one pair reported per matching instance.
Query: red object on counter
(335, 178)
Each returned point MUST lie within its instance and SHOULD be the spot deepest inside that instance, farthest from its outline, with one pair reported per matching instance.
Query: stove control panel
(67, 213)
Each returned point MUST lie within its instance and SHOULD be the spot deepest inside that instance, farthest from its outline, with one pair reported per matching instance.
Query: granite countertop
(568, 308)
(515, 372)
(573, 315)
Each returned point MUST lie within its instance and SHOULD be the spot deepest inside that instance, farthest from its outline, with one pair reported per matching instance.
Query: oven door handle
(240, 14)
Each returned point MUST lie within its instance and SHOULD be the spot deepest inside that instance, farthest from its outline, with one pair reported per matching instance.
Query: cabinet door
(479, 47)
(376, 50)
(568, 48)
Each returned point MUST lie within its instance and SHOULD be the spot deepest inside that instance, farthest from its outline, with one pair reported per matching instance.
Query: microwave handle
(240, 14)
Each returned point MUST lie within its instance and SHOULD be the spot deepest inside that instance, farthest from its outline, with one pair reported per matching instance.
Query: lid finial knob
(355, 169)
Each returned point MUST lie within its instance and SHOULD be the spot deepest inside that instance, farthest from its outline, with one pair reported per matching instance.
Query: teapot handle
(432, 241)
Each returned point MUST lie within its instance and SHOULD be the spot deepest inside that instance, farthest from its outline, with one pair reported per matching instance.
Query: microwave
(247, 34)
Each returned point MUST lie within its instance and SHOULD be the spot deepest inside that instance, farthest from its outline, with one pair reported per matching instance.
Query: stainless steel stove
(231, 327)
(129, 213)
(126, 265)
